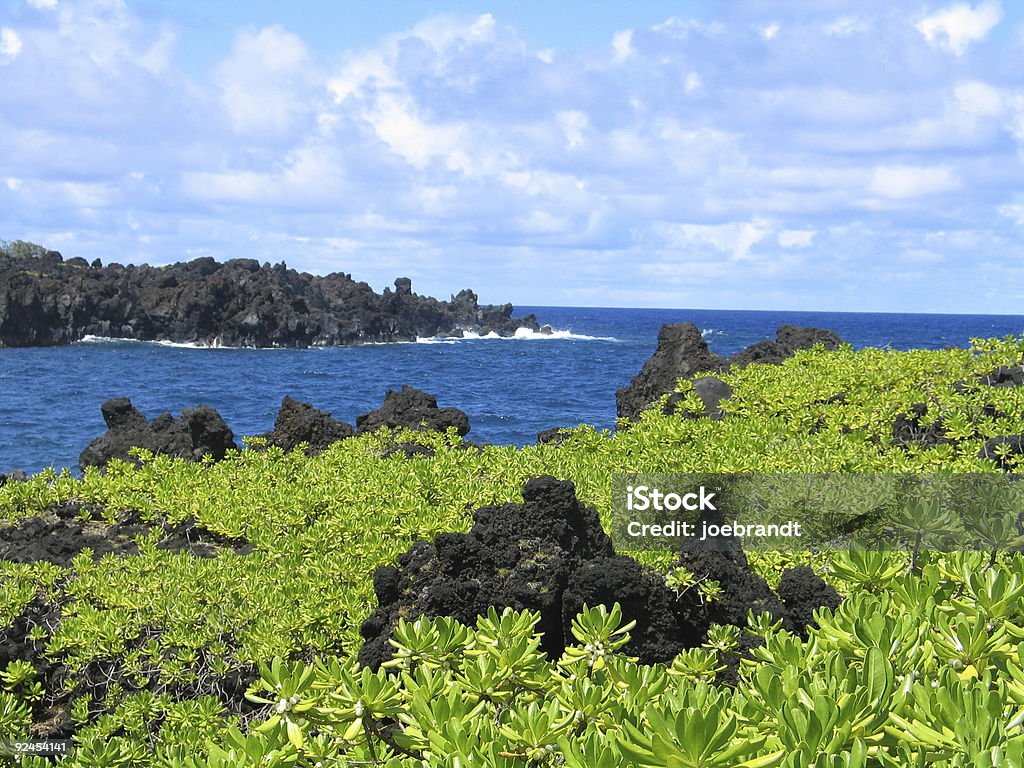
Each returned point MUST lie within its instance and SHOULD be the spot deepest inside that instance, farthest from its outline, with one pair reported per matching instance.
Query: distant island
(46, 300)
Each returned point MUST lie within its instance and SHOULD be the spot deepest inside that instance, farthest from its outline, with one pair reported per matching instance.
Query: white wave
(521, 334)
(90, 339)
(705, 332)
(190, 344)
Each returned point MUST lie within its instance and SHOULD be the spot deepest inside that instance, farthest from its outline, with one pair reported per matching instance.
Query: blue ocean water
(510, 388)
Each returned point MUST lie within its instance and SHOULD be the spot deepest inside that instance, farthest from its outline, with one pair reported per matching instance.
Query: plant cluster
(152, 652)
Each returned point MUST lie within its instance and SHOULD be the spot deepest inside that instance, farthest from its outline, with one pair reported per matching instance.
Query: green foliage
(22, 249)
(174, 629)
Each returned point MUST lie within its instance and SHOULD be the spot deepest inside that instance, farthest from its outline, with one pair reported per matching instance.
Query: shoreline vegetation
(50, 301)
(203, 614)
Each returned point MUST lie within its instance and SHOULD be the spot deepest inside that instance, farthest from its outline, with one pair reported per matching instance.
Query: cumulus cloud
(265, 82)
(10, 45)
(735, 239)
(956, 27)
(622, 44)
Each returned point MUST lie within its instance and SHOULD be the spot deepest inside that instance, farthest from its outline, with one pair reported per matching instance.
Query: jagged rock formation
(908, 429)
(1004, 376)
(46, 301)
(299, 422)
(414, 409)
(201, 431)
(551, 555)
(198, 432)
(683, 353)
(1002, 450)
(552, 436)
(788, 339)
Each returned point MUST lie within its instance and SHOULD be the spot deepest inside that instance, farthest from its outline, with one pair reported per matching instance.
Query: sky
(759, 154)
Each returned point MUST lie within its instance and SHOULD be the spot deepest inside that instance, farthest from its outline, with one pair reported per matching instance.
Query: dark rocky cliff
(46, 301)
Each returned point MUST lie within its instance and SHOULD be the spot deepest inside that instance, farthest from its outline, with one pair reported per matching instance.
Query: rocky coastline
(46, 300)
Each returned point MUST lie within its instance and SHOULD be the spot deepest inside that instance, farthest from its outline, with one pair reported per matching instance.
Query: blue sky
(770, 154)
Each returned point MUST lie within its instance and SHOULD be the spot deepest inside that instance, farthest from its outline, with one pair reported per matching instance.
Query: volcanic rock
(550, 554)
(47, 301)
(907, 429)
(1003, 376)
(553, 436)
(16, 476)
(197, 433)
(414, 409)
(788, 339)
(299, 422)
(802, 592)
(711, 390)
(683, 353)
(992, 450)
(722, 559)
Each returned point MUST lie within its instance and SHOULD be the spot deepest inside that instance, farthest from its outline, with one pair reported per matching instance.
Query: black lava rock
(413, 409)
(683, 353)
(1015, 448)
(197, 433)
(802, 592)
(548, 554)
(45, 301)
(553, 436)
(299, 422)
(907, 429)
(1003, 376)
(722, 559)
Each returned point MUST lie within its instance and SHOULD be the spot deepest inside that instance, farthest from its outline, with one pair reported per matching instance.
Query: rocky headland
(46, 300)
(683, 353)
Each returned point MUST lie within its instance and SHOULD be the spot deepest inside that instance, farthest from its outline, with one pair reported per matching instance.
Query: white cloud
(734, 239)
(845, 26)
(796, 238)
(10, 45)
(265, 81)
(622, 45)
(43, 5)
(457, 140)
(1013, 212)
(444, 31)
(901, 182)
(978, 98)
(771, 30)
(956, 27)
(573, 124)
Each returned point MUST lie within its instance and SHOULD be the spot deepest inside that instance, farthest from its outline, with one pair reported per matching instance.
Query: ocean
(510, 388)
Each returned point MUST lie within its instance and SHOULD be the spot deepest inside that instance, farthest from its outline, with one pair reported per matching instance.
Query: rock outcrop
(683, 353)
(46, 301)
(197, 433)
(1005, 451)
(414, 409)
(299, 422)
(551, 555)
